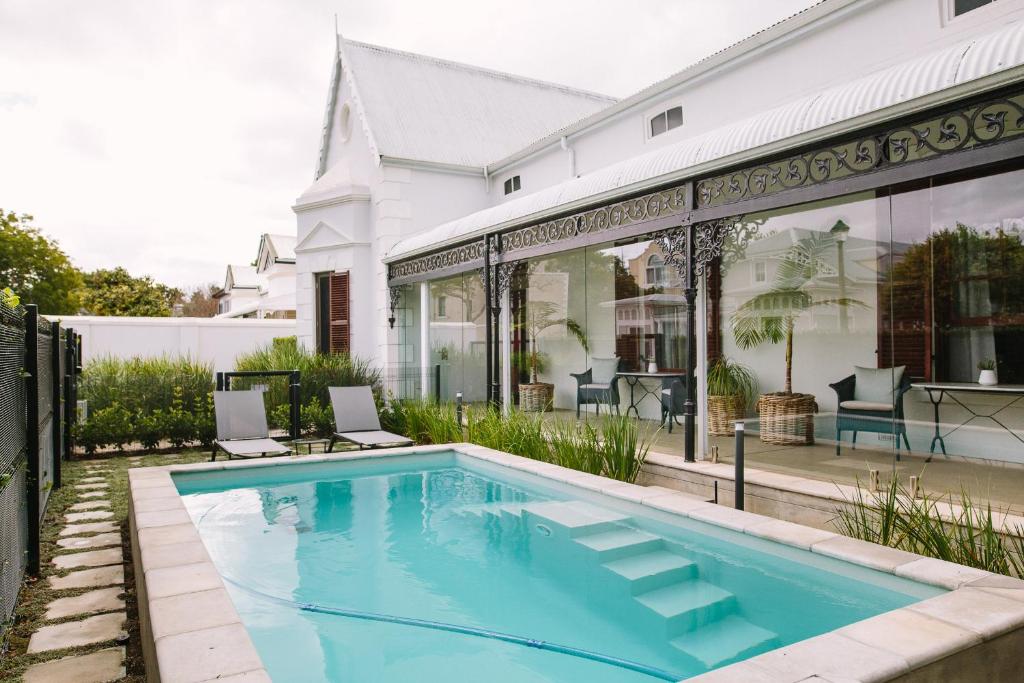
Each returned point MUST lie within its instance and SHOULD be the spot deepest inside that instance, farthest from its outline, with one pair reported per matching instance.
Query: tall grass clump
(966, 535)
(514, 432)
(318, 372)
(425, 422)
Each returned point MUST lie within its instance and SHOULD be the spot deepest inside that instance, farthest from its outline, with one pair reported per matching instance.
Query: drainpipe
(572, 156)
(487, 181)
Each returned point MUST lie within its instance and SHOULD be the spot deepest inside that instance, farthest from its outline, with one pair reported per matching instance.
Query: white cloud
(165, 136)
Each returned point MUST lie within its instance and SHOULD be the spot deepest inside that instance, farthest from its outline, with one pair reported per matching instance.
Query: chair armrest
(897, 399)
(582, 377)
(844, 388)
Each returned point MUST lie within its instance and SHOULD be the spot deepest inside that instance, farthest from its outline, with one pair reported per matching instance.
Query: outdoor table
(634, 379)
(299, 443)
(937, 391)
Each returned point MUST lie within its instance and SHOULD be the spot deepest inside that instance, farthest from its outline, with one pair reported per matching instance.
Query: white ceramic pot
(652, 367)
(987, 378)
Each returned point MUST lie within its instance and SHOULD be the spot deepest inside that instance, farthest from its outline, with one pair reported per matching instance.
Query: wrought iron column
(690, 295)
(487, 315)
(496, 291)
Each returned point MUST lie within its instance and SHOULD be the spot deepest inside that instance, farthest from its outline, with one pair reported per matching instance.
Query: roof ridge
(526, 80)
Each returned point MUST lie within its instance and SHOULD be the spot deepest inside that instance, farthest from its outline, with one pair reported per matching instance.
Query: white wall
(215, 340)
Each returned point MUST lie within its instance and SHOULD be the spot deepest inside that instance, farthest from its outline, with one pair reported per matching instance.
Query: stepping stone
(82, 542)
(96, 629)
(94, 528)
(89, 578)
(88, 487)
(93, 480)
(103, 600)
(88, 516)
(92, 494)
(90, 505)
(103, 666)
(92, 558)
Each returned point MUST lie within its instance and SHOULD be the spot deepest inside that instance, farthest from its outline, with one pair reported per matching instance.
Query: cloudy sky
(166, 135)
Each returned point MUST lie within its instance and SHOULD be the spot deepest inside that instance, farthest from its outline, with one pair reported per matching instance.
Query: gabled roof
(426, 109)
(982, 63)
(241, 277)
(282, 247)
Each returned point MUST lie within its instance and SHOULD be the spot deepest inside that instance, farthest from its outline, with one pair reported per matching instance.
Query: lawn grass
(35, 594)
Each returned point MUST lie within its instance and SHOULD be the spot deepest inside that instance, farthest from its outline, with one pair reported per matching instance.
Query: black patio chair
(870, 416)
(599, 384)
(673, 396)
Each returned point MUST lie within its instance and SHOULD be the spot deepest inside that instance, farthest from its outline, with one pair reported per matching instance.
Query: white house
(266, 290)
(901, 120)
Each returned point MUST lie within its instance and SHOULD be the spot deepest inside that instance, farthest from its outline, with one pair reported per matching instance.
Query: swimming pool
(469, 566)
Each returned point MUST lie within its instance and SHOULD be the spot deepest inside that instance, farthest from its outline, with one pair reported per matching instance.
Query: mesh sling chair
(356, 420)
(876, 409)
(242, 426)
(599, 384)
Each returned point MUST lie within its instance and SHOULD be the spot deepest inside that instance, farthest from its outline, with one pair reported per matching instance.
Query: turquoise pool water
(444, 568)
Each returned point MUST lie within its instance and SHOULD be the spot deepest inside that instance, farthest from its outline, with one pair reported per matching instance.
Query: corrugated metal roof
(903, 83)
(282, 246)
(427, 109)
(241, 277)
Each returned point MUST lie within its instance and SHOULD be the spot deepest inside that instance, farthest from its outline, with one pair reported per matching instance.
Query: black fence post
(32, 434)
(458, 408)
(58, 413)
(739, 466)
(70, 403)
(293, 395)
(437, 383)
(220, 381)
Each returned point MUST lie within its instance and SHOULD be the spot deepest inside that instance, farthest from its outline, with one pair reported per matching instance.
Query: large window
(457, 337)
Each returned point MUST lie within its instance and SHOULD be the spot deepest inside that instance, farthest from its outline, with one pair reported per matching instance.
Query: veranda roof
(984, 62)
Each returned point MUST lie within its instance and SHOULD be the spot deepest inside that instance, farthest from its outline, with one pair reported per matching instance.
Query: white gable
(323, 236)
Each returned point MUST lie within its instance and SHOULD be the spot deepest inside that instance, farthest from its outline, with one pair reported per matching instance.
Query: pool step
(619, 543)
(688, 605)
(652, 570)
(729, 638)
(575, 517)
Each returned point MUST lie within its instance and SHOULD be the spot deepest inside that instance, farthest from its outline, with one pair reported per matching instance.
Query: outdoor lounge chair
(877, 408)
(599, 384)
(356, 420)
(242, 426)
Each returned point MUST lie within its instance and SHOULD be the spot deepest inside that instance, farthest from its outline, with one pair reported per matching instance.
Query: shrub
(424, 422)
(144, 385)
(109, 426)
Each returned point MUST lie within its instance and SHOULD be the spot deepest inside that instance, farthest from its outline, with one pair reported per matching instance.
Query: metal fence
(38, 365)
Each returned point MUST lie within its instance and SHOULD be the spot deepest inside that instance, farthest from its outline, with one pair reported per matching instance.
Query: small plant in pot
(731, 388)
(987, 374)
(770, 318)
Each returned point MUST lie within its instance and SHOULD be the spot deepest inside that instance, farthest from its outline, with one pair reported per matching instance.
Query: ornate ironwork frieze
(500, 284)
(446, 258)
(709, 238)
(963, 128)
(394, 294)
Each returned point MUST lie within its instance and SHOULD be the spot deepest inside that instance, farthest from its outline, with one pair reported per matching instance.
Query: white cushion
(876, 385)
(603, 369)
(865, 405)
(602, 387)
(666, 392)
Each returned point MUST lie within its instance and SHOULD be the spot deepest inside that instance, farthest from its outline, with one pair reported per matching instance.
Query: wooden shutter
(340, 322)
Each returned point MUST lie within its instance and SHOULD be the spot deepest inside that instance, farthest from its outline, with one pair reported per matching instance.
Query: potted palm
(731, 388)
(537, 396)
(787, 417)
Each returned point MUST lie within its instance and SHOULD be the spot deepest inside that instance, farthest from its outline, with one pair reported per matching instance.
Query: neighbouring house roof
(241, 277)
(282, 247)
(914, 84)
(422, 108)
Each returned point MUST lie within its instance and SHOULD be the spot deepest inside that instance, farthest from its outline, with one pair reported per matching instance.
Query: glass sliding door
(457, 338)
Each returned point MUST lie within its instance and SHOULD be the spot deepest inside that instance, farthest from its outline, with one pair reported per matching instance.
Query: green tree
(116, 292)
(35, 268)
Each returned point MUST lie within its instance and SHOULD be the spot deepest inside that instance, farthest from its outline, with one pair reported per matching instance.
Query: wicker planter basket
(536, 398)
(723, 413)
(787, 419)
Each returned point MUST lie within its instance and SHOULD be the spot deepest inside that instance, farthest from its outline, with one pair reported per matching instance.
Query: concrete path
(90, 622)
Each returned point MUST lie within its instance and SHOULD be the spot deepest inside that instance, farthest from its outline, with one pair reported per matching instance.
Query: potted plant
(770, 318)
(537, 396)
(731, 388)
(987, 376)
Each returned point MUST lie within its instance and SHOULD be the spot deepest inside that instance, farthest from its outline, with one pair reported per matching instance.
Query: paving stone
(211, 653)
(94, 528)
(92, 558)
(103, 666)
(90, 487)
(88, 516)
(92, 494)
(82, 542)
(93, 480)
(103, 600)
(90, 505)
(89, 578)
(86, 631)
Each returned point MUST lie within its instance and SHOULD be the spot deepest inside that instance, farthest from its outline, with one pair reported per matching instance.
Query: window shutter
(341, 331)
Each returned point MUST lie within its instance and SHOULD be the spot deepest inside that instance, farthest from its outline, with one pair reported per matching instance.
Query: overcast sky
(166, 136)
